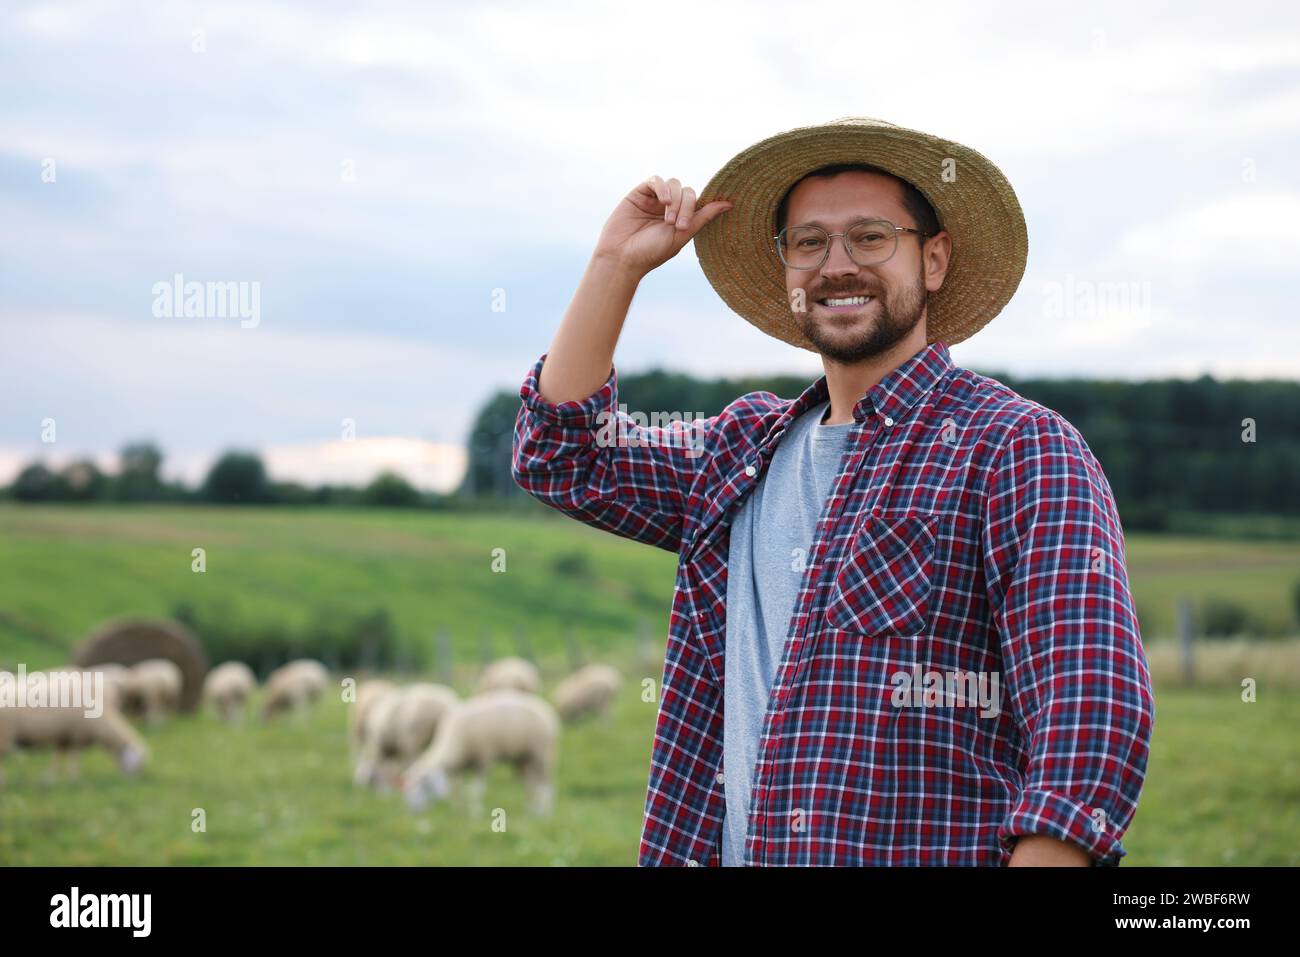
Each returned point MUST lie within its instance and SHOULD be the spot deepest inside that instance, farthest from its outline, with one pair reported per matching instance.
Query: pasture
(1223, 785)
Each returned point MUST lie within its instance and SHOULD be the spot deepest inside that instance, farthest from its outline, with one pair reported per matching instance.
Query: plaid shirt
(970, 534)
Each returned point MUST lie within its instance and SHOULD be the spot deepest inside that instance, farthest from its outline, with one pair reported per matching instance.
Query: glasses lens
(803, 246)
(872, 242)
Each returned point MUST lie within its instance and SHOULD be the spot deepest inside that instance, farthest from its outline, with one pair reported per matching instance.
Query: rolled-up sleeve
(616, 471)
(1073, 664)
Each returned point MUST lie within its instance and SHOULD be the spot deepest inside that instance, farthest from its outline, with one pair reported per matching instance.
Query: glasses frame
(826, 252)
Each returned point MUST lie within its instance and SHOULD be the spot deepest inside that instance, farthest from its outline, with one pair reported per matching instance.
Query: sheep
(152, 690)
(293, 687)
(513, 673)
(398, 729)
(116, 678)
(500, 725)
(68, 730)
(588, 691)
(368, 693)
(228, 688)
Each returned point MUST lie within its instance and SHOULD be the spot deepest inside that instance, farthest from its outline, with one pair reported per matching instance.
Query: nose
(838, 264)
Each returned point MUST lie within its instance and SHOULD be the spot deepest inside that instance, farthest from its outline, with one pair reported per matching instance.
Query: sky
(310, 158)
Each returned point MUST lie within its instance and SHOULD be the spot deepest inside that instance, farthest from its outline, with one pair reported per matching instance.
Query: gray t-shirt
(771, 537)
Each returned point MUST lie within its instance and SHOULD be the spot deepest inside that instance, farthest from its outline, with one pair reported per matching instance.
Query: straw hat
(973, 200)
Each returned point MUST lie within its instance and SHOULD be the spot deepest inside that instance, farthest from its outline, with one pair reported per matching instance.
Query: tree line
(236, 478)
(1168, 446)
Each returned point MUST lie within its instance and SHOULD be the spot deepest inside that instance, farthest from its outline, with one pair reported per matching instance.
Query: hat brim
(973, 200)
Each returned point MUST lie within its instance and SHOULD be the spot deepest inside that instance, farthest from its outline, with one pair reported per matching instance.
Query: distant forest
(1171, 447)
(1168, 446)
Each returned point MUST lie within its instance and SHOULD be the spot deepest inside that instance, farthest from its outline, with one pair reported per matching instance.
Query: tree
(490, 441)
(237, 478)
(138, 479)
(84, 481)
(36, 483)
(389, 488)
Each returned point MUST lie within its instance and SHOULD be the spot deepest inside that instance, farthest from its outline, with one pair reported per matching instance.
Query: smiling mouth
(845, 303)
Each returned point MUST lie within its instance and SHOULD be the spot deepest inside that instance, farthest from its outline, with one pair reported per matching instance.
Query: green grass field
(1223, 786)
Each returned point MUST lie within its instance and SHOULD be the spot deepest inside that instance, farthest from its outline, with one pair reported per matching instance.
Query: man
(902, 631)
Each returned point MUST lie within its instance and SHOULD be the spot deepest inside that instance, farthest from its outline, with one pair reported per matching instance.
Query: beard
(897, 313)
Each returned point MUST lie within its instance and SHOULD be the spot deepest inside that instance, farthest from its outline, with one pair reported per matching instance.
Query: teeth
(854, 301)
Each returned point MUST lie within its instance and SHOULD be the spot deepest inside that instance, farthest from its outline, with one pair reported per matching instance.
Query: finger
(660, 189)
(707, 214)
(645, 197)
(675, 198)
(687, 209)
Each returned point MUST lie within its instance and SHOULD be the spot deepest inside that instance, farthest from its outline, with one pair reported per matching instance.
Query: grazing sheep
(368, 693)
(513, 673)
(501, 725)
(68, 730)
(588, 691)
(152, 690)
(115, 682)
(398, 729)
(228, 688)
(293, 687)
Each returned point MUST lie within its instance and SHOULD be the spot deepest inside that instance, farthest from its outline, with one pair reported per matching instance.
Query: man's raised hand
(652, 223)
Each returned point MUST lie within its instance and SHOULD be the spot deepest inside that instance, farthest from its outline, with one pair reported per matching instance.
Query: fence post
(1186, 653)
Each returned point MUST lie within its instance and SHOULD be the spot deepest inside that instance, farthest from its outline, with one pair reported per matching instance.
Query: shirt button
(692, 863)
(751, 471)
(721, 778)
(888, 421)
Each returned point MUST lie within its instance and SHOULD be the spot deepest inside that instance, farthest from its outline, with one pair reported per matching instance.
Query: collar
(892, 397)
(896, 394)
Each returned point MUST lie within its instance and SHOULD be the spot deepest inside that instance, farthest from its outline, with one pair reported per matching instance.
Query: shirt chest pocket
(883, 585)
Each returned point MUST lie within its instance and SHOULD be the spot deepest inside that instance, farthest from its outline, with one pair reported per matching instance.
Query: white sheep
(68, 730)
(153, 689)
(368, 693)
(398, 729)
(588, 691)
(116, 678)
(228, 688)
(293, 687)
(501, 725)
(513, 673)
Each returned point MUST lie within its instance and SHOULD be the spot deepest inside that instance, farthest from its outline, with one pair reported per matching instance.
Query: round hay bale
(128, 641)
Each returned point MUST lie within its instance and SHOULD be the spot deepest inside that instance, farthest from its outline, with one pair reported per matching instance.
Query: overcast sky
(320, 150)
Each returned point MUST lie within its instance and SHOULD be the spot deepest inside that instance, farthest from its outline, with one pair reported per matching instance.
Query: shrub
(342, 639)
(1223, 618)
(573, 565)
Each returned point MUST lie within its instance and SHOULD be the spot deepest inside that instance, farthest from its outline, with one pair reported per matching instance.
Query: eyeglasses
(869, 242)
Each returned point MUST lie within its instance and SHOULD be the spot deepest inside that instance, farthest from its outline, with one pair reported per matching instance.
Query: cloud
(198, 386)
(1246, 231)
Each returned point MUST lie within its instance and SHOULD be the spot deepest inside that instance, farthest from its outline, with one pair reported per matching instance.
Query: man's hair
(917, 206)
